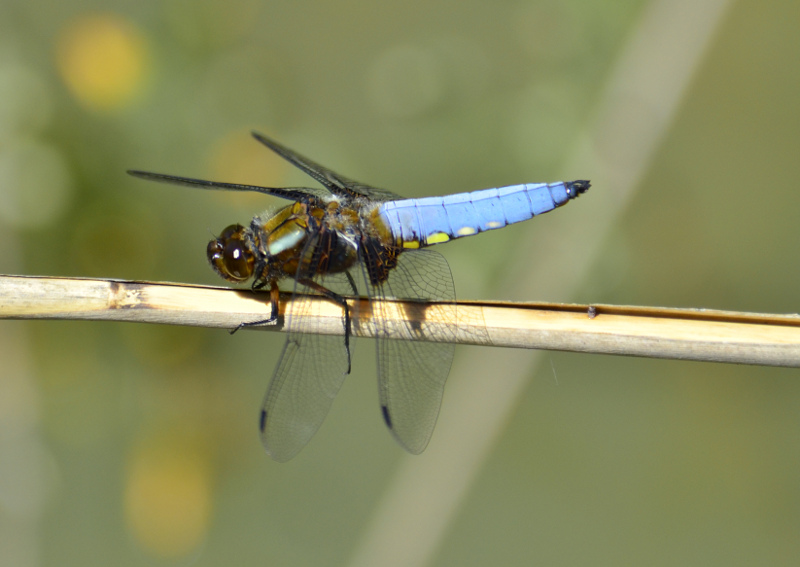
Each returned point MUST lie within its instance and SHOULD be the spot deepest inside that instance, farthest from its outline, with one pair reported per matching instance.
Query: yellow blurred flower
(103, 60)
(168, 497)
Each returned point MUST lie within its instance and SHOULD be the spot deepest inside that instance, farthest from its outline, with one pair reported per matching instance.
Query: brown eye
(238, 263)
(230, 256)
(234, 231)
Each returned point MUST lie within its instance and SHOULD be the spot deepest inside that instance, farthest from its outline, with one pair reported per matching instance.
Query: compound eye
(230, 256)
(234, 231)
(237, 260)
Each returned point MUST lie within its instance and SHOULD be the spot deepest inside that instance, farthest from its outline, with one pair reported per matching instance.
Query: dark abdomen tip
(575, 188)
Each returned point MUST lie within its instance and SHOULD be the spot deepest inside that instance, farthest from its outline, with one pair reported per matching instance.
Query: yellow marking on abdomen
(494, 224)
(410, 244)
(437, 238)
(466, 231)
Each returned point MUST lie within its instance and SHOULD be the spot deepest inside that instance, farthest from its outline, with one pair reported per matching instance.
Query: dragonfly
(350, 240)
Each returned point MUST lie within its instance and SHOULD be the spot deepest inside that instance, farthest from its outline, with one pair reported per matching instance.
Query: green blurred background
(136, 444)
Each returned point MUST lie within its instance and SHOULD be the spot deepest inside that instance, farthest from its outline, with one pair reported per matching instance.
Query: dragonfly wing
(334, 182)
(304, 194)
(311, 369)
(412, 373)
(310, 372)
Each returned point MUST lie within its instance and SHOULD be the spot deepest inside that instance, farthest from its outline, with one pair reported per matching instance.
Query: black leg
(338, 300)
(274, 296)
(352, 283)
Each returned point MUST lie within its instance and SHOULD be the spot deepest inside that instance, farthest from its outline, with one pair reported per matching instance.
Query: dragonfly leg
(338, 300)
(352, 283)
(274, 296)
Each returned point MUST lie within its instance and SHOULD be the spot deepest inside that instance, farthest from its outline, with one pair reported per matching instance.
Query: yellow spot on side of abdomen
(437, 238)
(410, 244)
(466, 231)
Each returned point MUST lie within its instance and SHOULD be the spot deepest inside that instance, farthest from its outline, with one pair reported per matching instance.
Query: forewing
(305, 194)
(334, 182)
(412, 373)
(311, 369)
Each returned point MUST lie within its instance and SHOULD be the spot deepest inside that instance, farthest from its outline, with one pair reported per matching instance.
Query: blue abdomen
(416, 223)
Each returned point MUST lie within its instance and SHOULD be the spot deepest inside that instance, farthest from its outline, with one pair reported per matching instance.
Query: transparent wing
(304, 194)
(412, 373)
(311, 369)
(335, 183)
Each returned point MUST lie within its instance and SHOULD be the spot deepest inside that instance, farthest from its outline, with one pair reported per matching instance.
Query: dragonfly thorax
(296, 241)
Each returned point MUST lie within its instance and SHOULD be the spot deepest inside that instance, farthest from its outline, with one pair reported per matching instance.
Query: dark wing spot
(263, 422)
(386, 417)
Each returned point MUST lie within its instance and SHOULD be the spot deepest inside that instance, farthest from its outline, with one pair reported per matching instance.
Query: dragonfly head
(231, 255)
